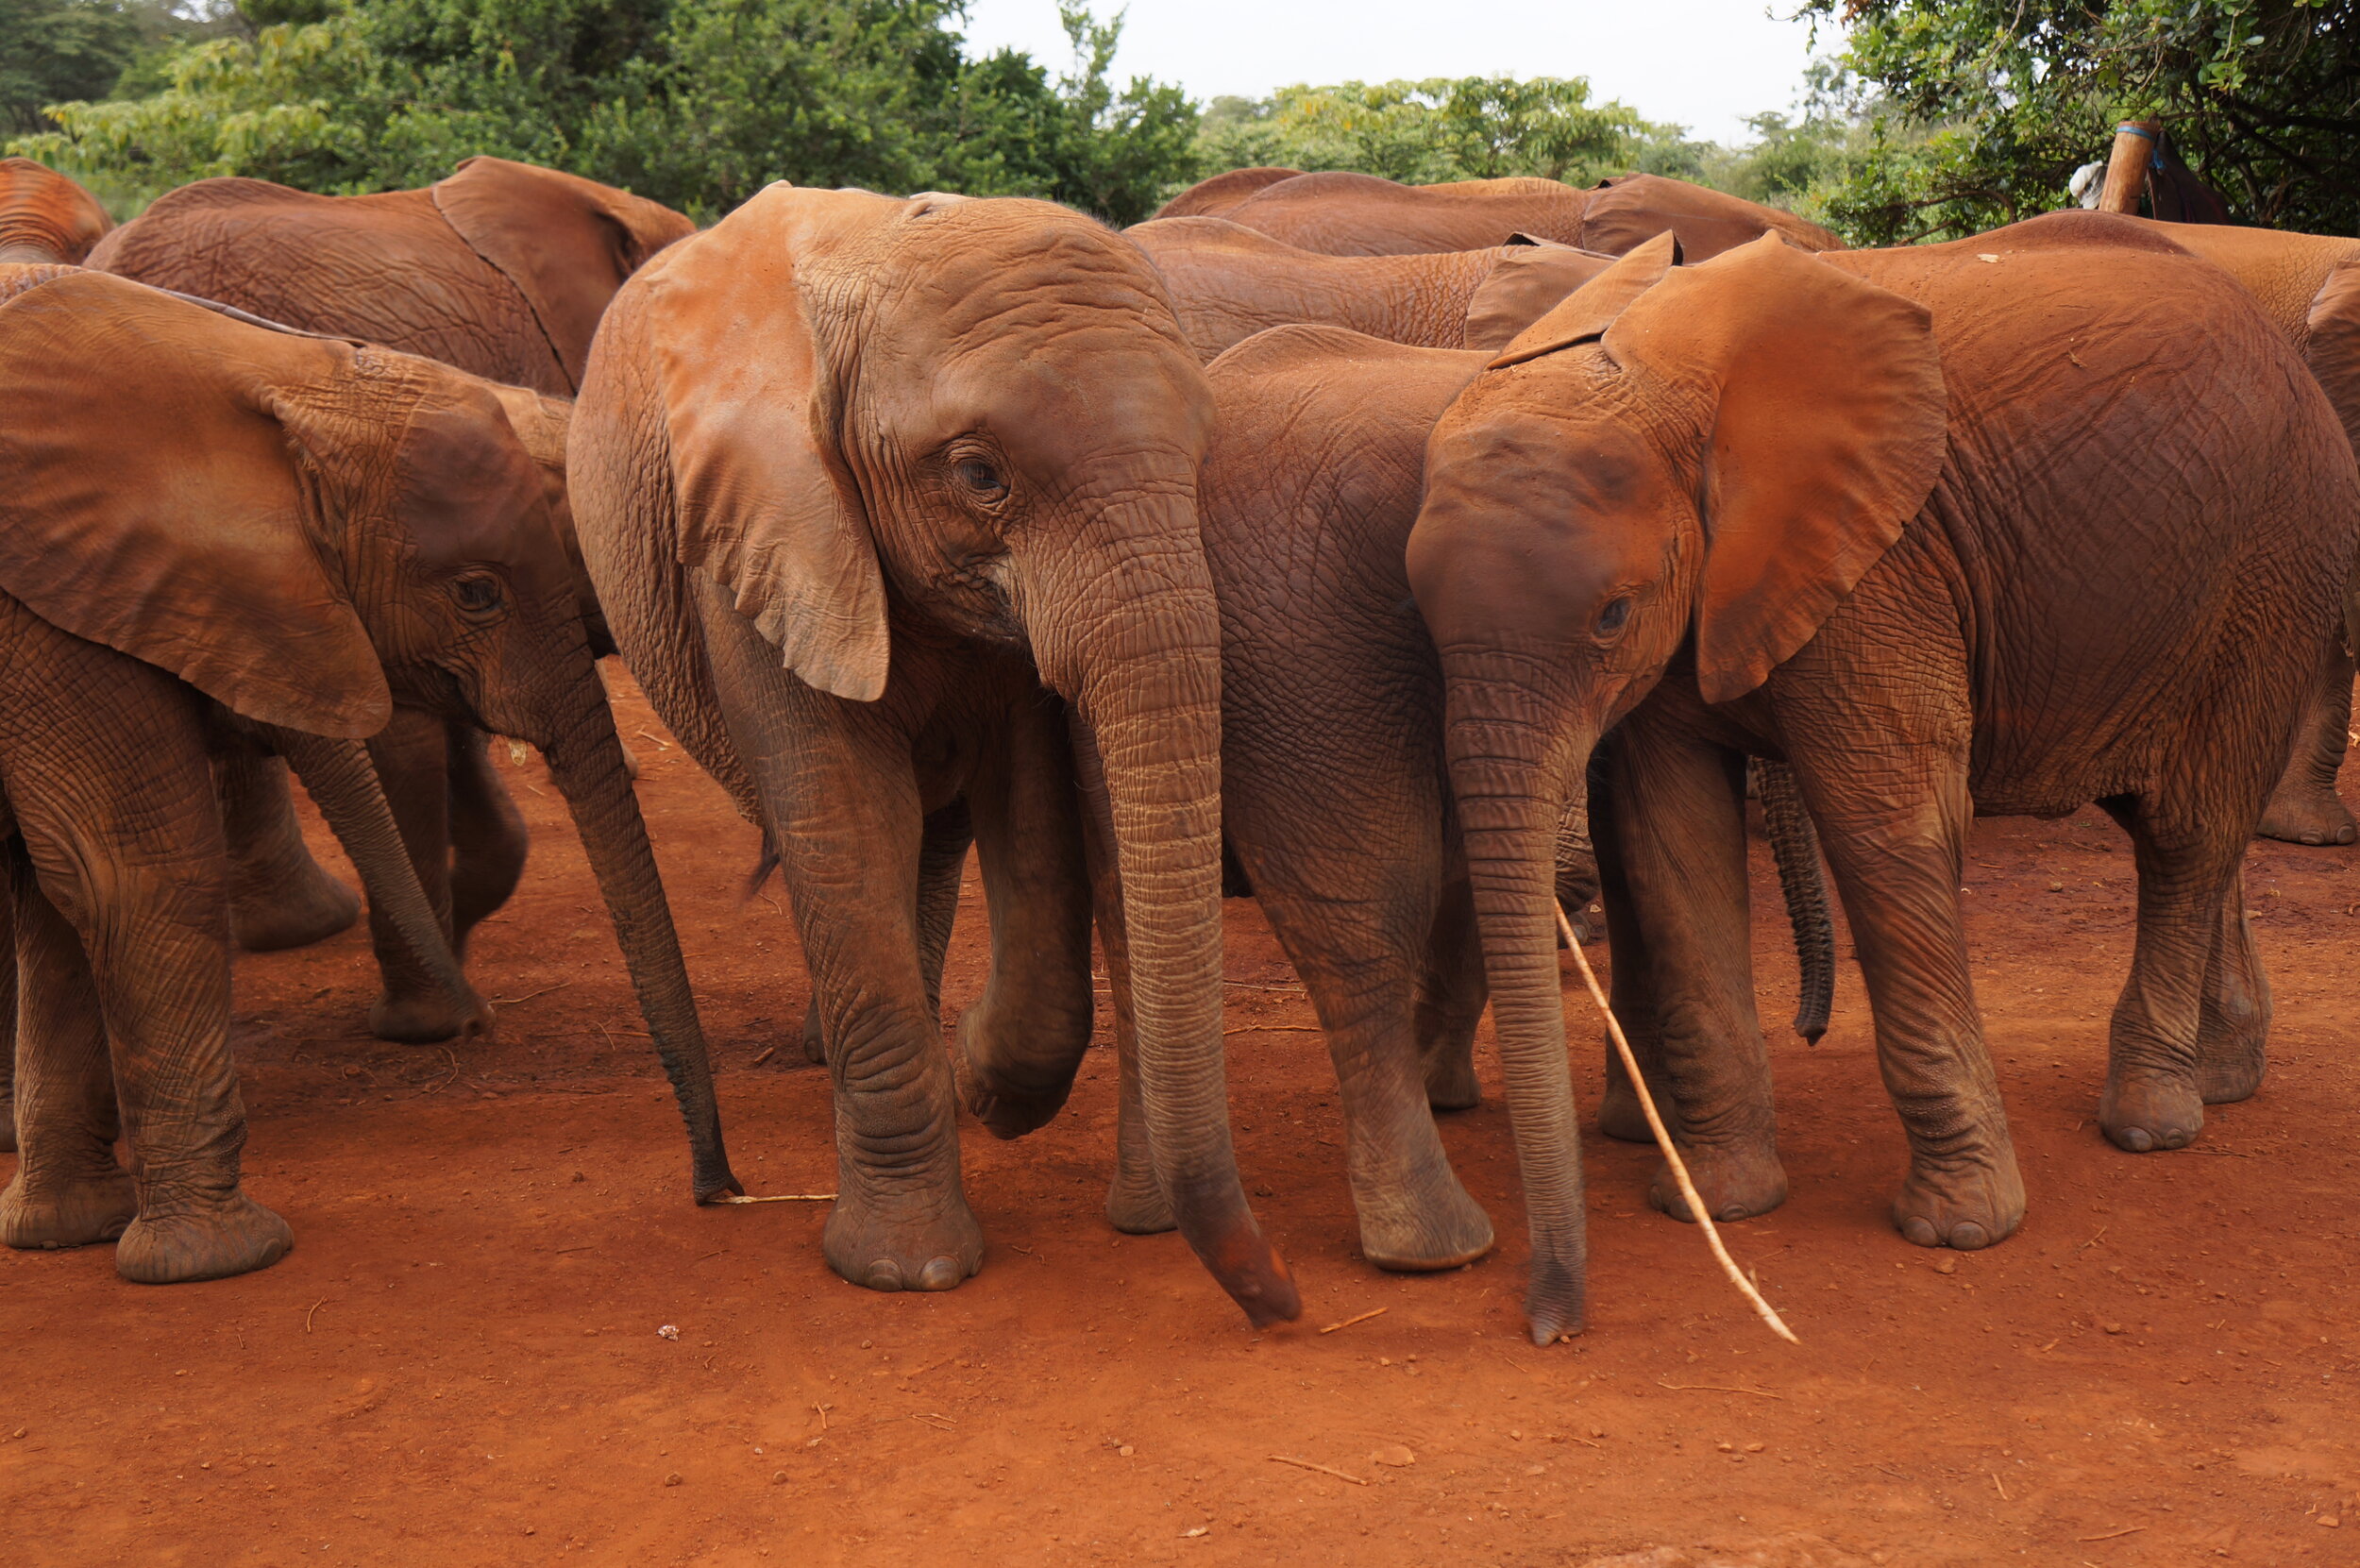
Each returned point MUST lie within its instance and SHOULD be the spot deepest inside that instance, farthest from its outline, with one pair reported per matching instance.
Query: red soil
(459, 1363)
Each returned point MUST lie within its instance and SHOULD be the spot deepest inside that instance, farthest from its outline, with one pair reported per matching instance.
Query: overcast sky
(1701, 63)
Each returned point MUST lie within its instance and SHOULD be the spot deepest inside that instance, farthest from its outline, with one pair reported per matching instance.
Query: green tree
(54, 49)
(1989, 105)
(698, 102)
(1474, 128)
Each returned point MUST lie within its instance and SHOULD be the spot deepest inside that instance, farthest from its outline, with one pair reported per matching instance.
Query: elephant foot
(2307, 814)
(1965, 1207)
(2143, 1112)
(1619, 1116)
(1136, 1204)
(1450, 1078)
(2230, 1070)
(301, 907)
(933, 1245)
(77, 1213)
(1007, 1109)
(427, 1017)
(1736, 1183)
(209, 1239)
(1443, 1228)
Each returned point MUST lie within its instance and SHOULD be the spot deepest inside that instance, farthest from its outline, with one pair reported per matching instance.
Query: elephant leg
(2232, 1028)
(1678, 825)
(8, 1019)
(413, 760)
(1892, 821)
(2188, 884)
(1451, 996)
(488, 838)
(68, 1191)
(1137, 1204)
(1630, 981)
(131, 853)
(1021, 1045)
(840, 798)
(279, 896)
(942, 868)
(2304, 808)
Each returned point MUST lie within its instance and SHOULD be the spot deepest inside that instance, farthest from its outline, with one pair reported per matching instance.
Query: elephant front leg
(2232, 1028)
(1021, 1045)
(1894, 827)
(488, 838)
(941, 867)
(68, 1190)
(412, 760)
(2304, 808)
(1672, 849)
(279, 896)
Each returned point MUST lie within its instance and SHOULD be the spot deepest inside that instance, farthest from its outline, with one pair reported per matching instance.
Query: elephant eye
(981, 478)
(477, 593)
(1616, 615)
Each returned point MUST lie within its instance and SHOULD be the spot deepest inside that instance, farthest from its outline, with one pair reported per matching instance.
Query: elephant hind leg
(2232, 1028)
(413, 760)
(279, 897)
(68, 1190)
(488, 838)
(1451, 995)
(2304, 808)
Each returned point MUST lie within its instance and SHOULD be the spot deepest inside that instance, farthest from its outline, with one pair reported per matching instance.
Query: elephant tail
(1795, 845)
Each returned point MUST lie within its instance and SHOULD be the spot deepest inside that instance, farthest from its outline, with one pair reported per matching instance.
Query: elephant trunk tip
(1256, 1278)
(718, 1189)
(1556, 1304)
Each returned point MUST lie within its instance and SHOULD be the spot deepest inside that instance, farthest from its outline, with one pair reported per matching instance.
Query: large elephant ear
(766, 508)
(2333, 346)
(1530, 278)
(566, 242)
(1829, 428)
(157, 508)
(1584, 315)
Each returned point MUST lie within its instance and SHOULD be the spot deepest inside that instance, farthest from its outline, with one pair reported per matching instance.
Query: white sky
(1701, 63)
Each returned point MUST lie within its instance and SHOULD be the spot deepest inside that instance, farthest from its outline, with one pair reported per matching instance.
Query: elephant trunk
(1512, 765)
(343, 782)
(586, 758)
(1139, 650)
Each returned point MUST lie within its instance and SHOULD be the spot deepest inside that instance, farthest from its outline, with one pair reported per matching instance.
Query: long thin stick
(1307, 1464)
(778, 1198)
(1663, 1141)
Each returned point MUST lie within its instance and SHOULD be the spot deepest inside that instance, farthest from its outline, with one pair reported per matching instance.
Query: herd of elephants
(1423, 562)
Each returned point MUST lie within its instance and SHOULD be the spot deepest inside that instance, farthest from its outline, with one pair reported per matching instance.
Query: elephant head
(45, 216)
(389, 540)
(975, 418)
(1703, 460)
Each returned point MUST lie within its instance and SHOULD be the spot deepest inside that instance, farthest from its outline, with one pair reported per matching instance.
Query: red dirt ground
(459, 1363)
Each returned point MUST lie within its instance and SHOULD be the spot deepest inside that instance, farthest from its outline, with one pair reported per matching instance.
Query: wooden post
(2127, 166)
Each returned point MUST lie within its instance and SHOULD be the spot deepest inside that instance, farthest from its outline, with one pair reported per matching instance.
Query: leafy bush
(697, 103)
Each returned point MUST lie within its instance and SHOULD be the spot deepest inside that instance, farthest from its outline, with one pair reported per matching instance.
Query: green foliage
(1989, 105)
(698, 102)
(1421, 132)
(53, 49)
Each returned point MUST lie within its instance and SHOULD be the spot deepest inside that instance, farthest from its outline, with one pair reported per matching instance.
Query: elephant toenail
(1920, 1231)
(2178, 1138)
(2137, 1139)
(1966, 1236)
(939, 1274)
(883, 1274)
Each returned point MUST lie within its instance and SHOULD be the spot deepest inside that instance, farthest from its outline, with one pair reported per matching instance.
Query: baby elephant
(304, 533)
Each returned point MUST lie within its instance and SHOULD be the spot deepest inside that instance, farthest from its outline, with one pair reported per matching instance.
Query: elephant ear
(1826, 426)
(1584, 315)
(2332, 350)
(566, 242)
(1531, 276)
(157, 509)
(766, 508)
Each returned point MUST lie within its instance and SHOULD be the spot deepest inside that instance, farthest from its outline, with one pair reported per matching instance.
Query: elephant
(46, 217)
(1355, 214)
(1870, 513)
(892, 507)
(1335, 805)
(309, 532)
(1229, 283)
(501, 270)
(2309, 287)
(1213, 197)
